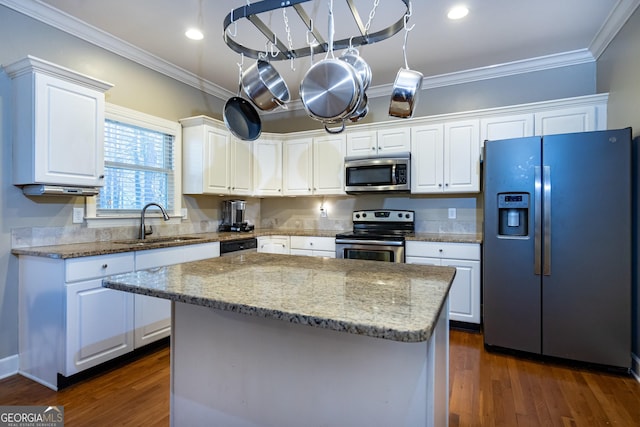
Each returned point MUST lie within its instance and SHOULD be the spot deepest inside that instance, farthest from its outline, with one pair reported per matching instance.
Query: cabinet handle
(310, 243)
(440, 185)
(447, 184)
(101, 177)
(104, 266)
(440, 250)
(373, 148)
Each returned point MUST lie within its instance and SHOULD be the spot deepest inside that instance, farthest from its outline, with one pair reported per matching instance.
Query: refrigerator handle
(547, 220)
(537, 223)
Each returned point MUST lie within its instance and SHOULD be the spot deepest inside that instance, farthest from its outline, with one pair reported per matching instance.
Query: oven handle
(368, 242)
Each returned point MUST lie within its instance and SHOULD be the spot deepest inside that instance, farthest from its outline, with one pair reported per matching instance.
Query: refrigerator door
(511, 288)
(586, 296)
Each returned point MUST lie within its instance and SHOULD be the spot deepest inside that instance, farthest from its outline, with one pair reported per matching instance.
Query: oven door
(372, 250)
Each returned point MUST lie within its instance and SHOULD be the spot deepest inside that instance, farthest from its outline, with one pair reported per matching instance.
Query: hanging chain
(289, 41)
(371, 15)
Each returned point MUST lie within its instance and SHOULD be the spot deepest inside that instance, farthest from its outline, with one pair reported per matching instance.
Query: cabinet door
(69, 133)
(241, 169)
(361, 143)
(328, 164)
(464, 296)
(462, 157)
(567, 120)
(297, 167)
(506, 127)
(99, 325)
(394, 141)
(267, 172)
(427, 144)
(152, 319)
(216, 161)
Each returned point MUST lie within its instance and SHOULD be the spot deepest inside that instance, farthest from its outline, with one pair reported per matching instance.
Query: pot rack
(251, 12)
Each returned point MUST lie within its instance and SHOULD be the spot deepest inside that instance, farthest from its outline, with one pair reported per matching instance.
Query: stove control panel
(384, 215)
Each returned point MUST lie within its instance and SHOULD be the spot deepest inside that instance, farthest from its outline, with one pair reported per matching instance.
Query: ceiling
(495, 33)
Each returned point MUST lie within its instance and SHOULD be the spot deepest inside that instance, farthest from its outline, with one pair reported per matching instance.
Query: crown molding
(620, 14)
(69, 24)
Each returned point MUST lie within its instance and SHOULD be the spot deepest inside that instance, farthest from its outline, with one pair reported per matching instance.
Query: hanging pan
(240, 117)
(404, 95)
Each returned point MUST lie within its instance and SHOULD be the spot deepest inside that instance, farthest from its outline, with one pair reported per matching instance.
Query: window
(142, 164)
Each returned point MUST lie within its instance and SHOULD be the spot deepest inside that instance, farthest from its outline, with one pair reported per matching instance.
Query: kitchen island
(264, 339)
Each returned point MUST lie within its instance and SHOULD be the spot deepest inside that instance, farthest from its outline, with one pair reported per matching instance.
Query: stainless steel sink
(154, 240)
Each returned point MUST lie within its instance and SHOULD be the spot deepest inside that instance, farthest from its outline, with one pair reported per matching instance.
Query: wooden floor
(487, 389)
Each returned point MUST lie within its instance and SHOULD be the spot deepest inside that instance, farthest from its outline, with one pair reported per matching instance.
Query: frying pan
(240, 117)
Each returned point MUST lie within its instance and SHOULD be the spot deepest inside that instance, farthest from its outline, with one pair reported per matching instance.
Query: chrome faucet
(143, 231)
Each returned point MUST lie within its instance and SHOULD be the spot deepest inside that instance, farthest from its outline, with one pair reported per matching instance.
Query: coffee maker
(233, 216)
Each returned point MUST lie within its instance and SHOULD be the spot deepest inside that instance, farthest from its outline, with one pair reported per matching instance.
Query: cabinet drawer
(154, 258)
(98, 266)
(443, 250)
(313, 243)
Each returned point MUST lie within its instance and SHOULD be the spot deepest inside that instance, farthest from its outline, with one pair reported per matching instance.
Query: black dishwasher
(236, 246)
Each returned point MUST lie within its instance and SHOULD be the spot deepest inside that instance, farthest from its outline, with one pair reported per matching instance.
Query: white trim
(9, 366)
(65, 22)
(635, 366)
(620, 14)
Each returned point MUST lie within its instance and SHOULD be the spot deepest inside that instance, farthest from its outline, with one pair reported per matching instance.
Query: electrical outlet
(323, 213)
(184, 213)
(453, 213)
(78, 215)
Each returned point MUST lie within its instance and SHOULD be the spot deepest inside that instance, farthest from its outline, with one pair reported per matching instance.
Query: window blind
(139, 168)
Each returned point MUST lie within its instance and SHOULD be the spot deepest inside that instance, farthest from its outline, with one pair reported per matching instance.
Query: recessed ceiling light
(194, 34)
(458, 12)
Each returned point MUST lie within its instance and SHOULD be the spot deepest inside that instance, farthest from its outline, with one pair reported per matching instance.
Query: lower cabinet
(68, 322)
(464, 296)
(273, 244)
(313, 246)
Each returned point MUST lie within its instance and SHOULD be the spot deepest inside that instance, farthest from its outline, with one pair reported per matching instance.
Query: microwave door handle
(394, 179)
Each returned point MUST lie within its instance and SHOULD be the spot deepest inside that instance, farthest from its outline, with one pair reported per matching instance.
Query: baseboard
(9, 366)
(635, 366)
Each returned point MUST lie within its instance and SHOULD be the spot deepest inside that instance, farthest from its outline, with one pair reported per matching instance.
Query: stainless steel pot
(404, 95)
(331, 92)
(264, 86)
(352, 57)
(362, 110)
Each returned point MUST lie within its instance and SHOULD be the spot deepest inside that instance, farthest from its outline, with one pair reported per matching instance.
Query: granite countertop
(399, 302)
(77, 250)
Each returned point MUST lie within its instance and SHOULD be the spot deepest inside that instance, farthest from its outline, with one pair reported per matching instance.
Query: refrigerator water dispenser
(513, 214)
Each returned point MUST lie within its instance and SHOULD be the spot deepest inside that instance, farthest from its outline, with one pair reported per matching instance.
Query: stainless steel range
(378, 235)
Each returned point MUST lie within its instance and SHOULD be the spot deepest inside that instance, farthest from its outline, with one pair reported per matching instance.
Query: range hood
(58, 190)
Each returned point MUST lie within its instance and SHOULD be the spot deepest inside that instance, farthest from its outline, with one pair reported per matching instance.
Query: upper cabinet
(214, 162)
(445, 158)
(267, 167)
(58, 119)
(381, 142)
(506, 127)
(298, 166)
(566, 120)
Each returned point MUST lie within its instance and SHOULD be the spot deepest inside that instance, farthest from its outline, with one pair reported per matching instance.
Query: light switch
(452, 213)
(78, 215)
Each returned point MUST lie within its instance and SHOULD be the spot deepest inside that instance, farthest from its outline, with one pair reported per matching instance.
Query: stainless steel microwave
(377, 174)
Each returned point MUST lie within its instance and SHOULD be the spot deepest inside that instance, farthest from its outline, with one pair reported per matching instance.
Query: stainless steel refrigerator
(557, 246)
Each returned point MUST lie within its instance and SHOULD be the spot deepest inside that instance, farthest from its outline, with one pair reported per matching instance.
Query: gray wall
(618, 73)
(141, 89)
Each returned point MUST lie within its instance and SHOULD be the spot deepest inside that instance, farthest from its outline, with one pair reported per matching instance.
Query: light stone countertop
(399, 302)
(78, 250)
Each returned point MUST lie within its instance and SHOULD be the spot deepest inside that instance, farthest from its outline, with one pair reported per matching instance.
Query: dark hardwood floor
(487, 389)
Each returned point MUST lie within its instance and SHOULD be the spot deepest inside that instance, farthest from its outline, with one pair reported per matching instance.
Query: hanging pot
(362, 110)
(352, 57)
(242, 119)
(330, 92)
(264, 86)
(405, 92)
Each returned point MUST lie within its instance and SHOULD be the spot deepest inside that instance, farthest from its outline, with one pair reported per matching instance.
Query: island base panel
(236, 370)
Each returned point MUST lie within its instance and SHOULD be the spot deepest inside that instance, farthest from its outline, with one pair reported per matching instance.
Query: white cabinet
(152, 316)
(464, 296)
(267, 167)
(566, 120)
(298, 166)
(313, 246)
(506, 127)
(214, 162)
(273, 244)
(381, 142)
(328, 164)
(446, 158)
(58, 119)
